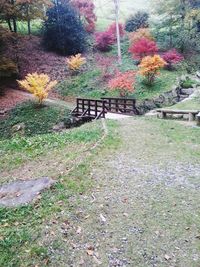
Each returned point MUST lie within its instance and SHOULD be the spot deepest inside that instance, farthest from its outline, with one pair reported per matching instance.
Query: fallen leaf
(79, 230)
(167, 257)
(90, 252)
(102, 218)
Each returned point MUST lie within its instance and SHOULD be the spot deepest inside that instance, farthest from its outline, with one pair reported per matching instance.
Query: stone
(18, 129)
(187, 91)
(23, 192)
(59, 127)
(198, 74)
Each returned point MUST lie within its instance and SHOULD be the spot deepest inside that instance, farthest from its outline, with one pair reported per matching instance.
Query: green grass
(22, 228)
(163, 83)
(22, 28)
(190, 104)
(37, 120)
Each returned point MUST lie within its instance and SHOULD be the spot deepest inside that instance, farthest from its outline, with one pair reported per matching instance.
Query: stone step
(187, 91)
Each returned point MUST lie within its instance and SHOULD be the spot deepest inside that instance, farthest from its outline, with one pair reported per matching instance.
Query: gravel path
(144, 211)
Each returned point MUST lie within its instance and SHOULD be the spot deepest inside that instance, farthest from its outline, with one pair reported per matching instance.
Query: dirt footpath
(144, 211)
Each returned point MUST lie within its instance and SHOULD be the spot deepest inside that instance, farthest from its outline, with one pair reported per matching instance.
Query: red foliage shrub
(172, 57)
(103, 41)
(124, 82)
(142, 48)
(112, 30)
(86, 10)
(107, 66)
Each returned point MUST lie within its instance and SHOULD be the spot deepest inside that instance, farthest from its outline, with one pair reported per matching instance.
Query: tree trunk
(15, 25)
(9, 25)
(117, 31)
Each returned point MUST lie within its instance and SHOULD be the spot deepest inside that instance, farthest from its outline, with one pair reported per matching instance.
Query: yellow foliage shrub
(75, 62)
(150, 66)
(38, 84)
(139, 34)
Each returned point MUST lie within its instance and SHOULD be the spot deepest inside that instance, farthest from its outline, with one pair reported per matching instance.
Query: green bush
(139, 20)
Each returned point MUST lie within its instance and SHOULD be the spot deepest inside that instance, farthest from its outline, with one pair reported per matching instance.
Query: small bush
(63, 31)
(103, 41)
(123, 82)
(139, 20)
(75, 62)
(38, 84)
(112, 30)
(142, 48)
(150, 66)
(172, 57)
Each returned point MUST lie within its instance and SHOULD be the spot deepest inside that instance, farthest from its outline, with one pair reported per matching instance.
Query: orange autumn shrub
(75, 62)
(139, 34)
(150, 66)
(123, 82)
(38, 84)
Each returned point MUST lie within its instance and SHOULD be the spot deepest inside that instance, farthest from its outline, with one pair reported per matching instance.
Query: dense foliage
(63, 31)
(139, 20)
(178, 24)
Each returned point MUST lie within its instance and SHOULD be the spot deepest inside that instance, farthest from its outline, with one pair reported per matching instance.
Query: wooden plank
(176, 111)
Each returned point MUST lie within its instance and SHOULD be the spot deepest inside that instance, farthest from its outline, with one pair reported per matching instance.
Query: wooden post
(191, 117)
(198, 119)
(163, 115)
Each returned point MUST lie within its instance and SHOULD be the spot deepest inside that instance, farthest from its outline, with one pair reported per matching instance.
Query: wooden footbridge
(93, 109)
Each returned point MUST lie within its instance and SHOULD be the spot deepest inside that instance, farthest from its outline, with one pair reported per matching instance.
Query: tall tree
(116, 2)
(31, 9)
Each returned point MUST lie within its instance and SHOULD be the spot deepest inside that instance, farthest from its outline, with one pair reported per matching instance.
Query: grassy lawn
(37, 120)
(89, 84)
(44, 233)
(21, 228)
(189, 104)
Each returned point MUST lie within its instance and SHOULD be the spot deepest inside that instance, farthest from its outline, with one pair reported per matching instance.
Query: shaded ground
(11, 98)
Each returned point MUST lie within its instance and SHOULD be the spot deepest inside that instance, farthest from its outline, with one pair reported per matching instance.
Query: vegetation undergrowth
(37, 119)
(21, 228)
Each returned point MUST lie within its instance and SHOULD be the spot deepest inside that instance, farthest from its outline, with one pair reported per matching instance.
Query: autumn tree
(9, 13)
(31, 9)
(139, 34)
(86, 10)
(142, 48)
